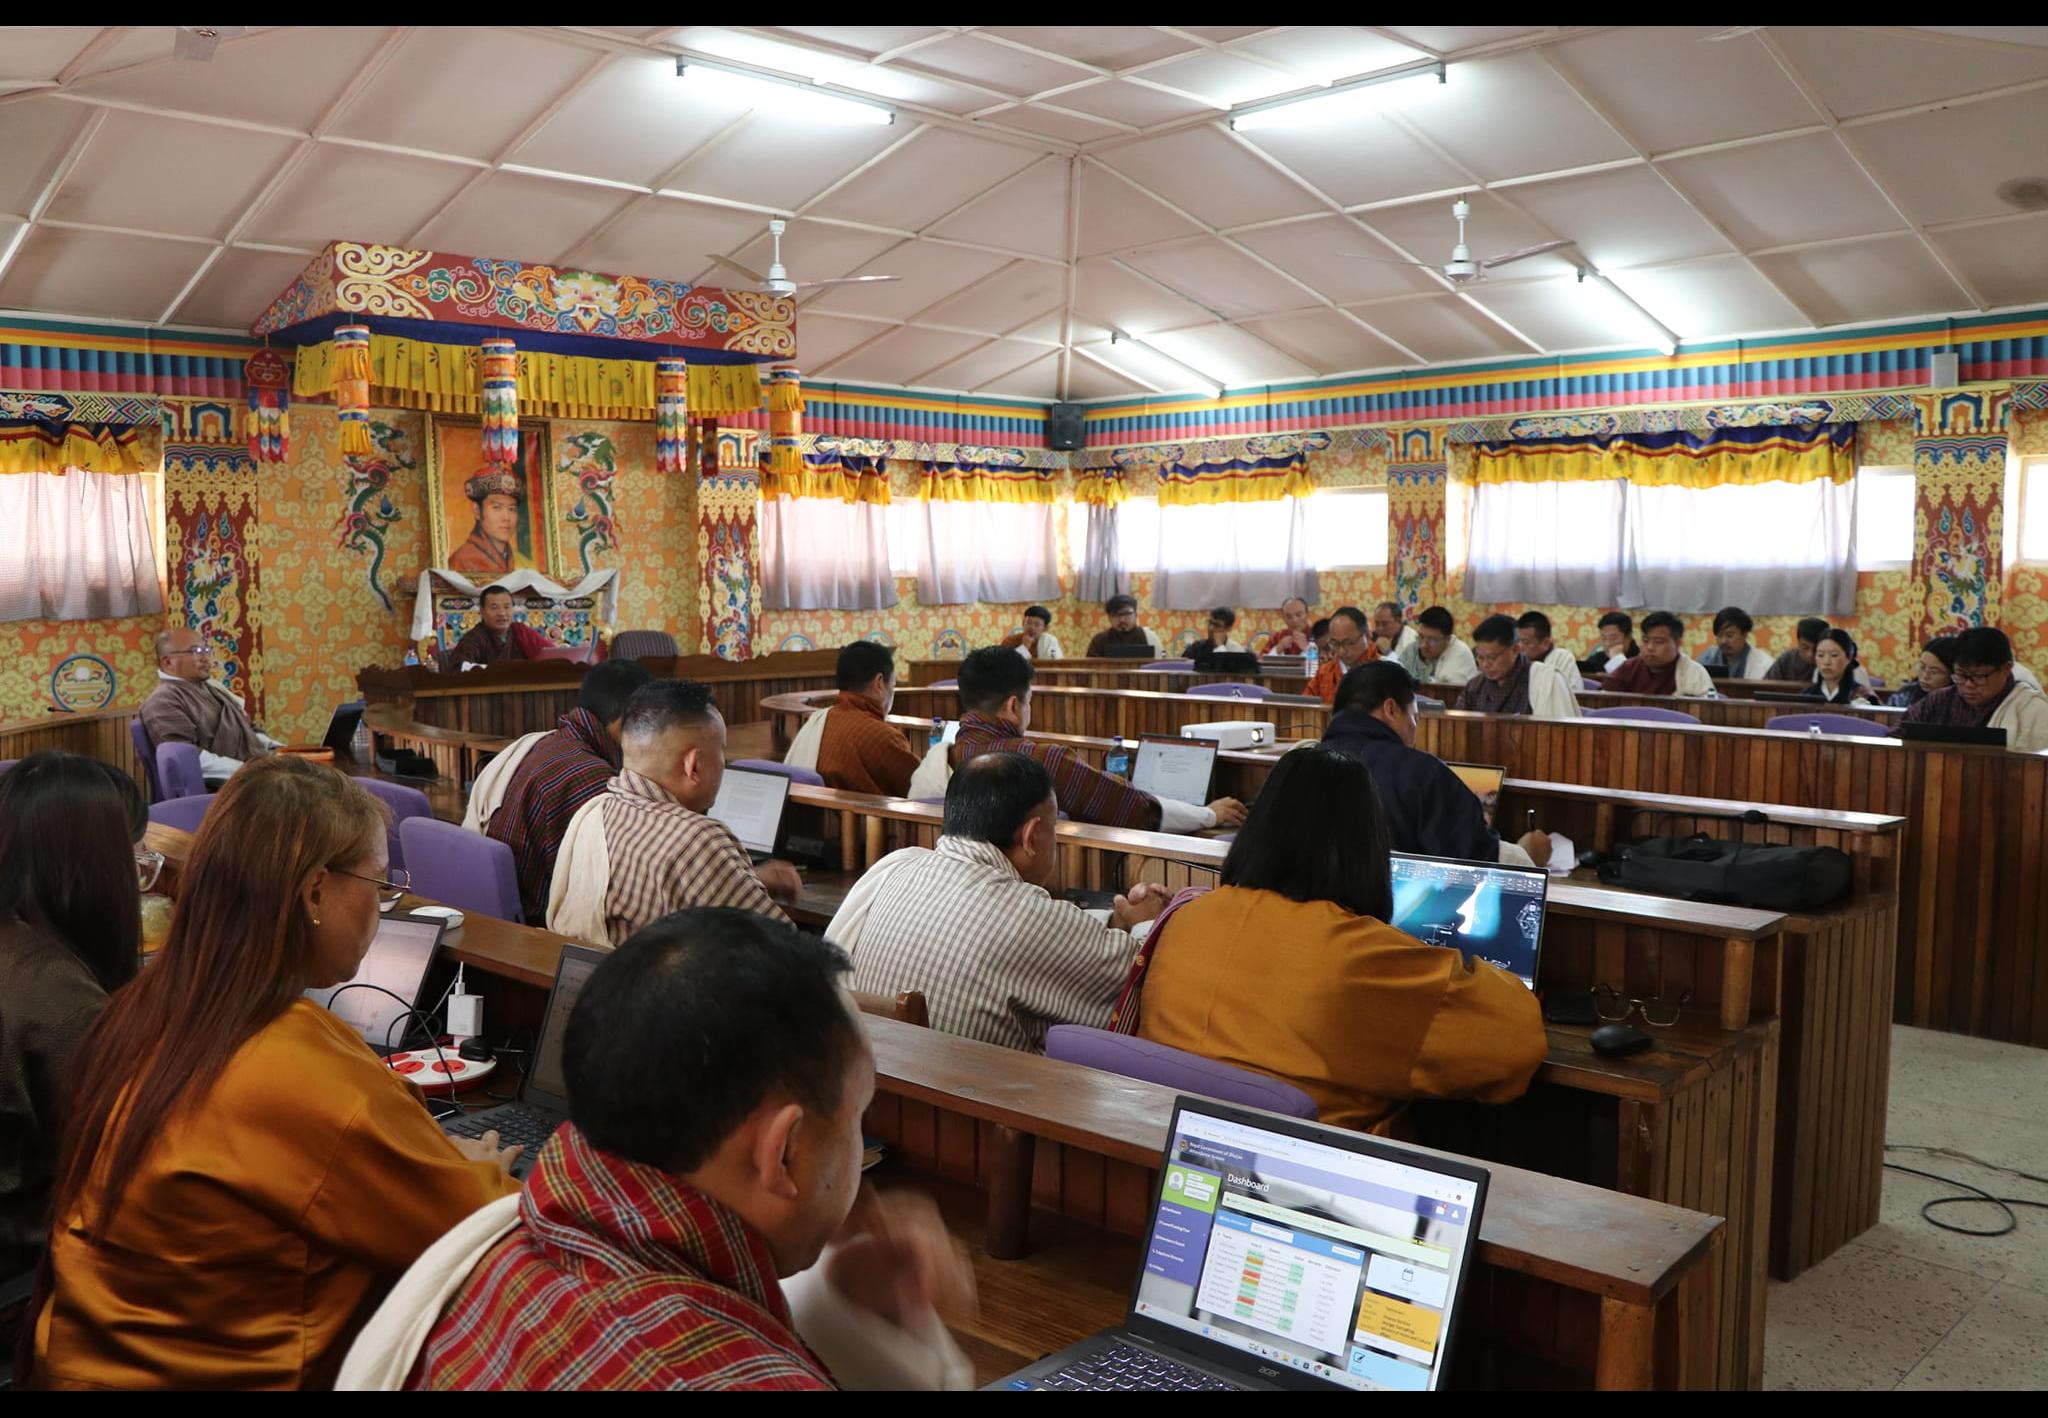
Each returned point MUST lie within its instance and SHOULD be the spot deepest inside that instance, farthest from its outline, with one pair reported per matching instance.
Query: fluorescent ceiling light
(778, 93)
(1624, 305)
(1155, 366)
(1337, 102)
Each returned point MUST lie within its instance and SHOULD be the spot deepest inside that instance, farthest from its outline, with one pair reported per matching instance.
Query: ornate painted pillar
(1959, 446)
(728, 500)
(1418, 476)
(209, 537)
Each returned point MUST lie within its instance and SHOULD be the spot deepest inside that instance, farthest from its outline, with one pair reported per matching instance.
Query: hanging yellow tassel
(671, 415)
(498, 373)
(352, 388)
(785, 421)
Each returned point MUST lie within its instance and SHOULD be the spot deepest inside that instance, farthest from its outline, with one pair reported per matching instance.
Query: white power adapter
(465, 1011)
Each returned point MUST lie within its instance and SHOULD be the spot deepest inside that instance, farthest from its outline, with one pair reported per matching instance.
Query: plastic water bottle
(1310, 660)
(938, 735)
(1118, 761)
(1813, 731)
(412, 657)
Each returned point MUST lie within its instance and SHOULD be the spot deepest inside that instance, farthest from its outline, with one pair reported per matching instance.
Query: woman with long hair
(70, 934)
(1289, 968)
(241, 1176)
(1834, 671)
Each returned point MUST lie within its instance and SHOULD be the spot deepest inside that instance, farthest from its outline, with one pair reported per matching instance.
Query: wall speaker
(1945, 371)
(1063, 427)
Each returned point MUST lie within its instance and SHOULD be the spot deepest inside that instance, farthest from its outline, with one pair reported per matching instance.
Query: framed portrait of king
(487, 519)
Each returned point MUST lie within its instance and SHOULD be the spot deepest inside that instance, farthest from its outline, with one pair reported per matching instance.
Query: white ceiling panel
(819, 338)
(665, 237)
(286, 76)
(649, 125)
(1709, 299)
(41, 52)
(1621, 217)
(1311, 251)
(778, 161)
(1871, 280)
(1115, 215)
(164, 175)
(1473, 115)
(1366, 160)
(1088, 380)
(1029, 214)
(900, 356)
(1559, 315)
(1105, 46)
(863, 39)
(1054, 122)
(1329, 343)
(1947, 165)
(1442, 328)
(98, 273)
(1802, 189)
(978, 366)
(999, 66)
(929, 274)
(1235, 357)
(1225, 281)
(1330, 52)
(926, 179)
(1224, 79)
(238, 287)
(1202, 171)
(1001, 300)
(138, 45)
(1132, 103)
(1223, 34)
(528, 219)
(2006, 261)
(1451, 39)
(1670, 87)
(1037, 380)
(468, 90)
(1111, 296)
(354, 194)
(38, 135)
(1859, 73)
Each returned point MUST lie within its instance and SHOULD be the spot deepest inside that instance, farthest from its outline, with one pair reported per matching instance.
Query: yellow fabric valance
(419, 374)
(831, 481)
(1099, 488)
(723, 389)
(1236, 481)
(37, 448)
(1728, 458)
(946, 482)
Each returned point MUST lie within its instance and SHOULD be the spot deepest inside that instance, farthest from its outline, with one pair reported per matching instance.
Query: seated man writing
(970, 923)
(692, 1227)
(188, 707)
(1293, 637)
(852, 745)
(1123, 628)
(1438, 656)
(1430, 811)
(643, 847)
(496, 636)
(1349, 646)
(1662, 668)
(1985, 693)
(1509, 682)
(1532, 633)
(995, 700)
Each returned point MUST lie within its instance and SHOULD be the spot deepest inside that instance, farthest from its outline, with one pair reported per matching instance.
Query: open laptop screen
(397, 961)
(1176, 768)
(1330, 1254)
(547, 1086)
(1488, 911)
(750, 804)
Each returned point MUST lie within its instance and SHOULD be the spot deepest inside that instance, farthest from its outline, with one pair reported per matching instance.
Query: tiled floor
(1906, 1305)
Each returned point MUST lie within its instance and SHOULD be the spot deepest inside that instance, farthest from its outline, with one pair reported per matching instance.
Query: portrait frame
(454, 452)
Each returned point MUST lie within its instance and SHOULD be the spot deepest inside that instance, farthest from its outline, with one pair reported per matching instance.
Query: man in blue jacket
(1430, 811)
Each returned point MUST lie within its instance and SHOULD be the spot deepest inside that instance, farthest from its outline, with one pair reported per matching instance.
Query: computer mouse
(1607, 1039)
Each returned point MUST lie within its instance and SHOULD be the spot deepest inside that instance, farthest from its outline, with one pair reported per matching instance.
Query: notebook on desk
(1286, 1255)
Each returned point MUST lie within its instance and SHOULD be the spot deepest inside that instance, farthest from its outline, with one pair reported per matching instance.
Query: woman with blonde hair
(242, 1177)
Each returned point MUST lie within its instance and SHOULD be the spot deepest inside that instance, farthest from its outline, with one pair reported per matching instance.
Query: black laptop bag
(1702, 868)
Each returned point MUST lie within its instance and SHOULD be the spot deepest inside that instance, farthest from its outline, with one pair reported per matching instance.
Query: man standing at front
(188, 707)
(1350, 647)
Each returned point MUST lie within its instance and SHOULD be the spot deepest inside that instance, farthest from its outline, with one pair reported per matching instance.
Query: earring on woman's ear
(316, 923)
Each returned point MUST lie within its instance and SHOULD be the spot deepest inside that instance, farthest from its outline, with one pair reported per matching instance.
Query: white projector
(1233, 733)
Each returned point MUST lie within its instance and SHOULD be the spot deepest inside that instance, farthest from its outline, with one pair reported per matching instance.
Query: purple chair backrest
(768, 765)
(405, 803)
(145, 753)
(1827, 724)
(1230, 690)
(459, 868)
(7, 763)
(1169, 665)
(185, 814)
(1649, 713)
(944, 684)
(178, 771)
(1174, 1068)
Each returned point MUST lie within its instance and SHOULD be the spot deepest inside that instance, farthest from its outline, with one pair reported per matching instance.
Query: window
(906, 529)
(2027, 513)
(81, 546)
(1884, 519)
(1348, 528)
(1137, 524)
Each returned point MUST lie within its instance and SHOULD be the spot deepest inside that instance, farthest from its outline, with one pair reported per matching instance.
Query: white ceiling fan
(777, 281)
(1461, 267)
(200, 41)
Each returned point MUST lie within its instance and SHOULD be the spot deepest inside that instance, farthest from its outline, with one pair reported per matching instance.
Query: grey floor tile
(1862, 1319)
(1997, 1345)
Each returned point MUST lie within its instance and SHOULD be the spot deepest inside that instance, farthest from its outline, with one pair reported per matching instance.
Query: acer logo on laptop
(1269, 1373)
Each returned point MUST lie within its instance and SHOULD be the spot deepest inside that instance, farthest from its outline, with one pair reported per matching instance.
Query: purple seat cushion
(765, 765)
(1645, 712)
(1174, 1068)
(185, 814)
(1230, 690)
(1828, 724)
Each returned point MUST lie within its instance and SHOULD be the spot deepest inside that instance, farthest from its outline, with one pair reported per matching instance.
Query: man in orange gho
(1293, 637)
(1350, 646)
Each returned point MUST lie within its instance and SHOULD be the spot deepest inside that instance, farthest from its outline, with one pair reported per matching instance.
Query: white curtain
(987, 551)
(1234, 554)
(77, 547)
(1099, 559)
(1548, 544)
(819, 553)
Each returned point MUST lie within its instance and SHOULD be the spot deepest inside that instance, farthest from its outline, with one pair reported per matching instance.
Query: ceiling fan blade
(755, 276)
(1386, 260)
(1732, 32)
(1537, 250)
(844, 281)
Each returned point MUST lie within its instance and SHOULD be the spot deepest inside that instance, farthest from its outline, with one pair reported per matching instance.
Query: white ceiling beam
(865, 319)
(1011, 373)
(909, 321)
(917, 379)
(649, 195)
(1126, 375)
(1392, 38)
(1940, 105)
(94, 47)
(1073, 261)
(52, 181)
(1966, 41)
(1217, 316)
(75, 69)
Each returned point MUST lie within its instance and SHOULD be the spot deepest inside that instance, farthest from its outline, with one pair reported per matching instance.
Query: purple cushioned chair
(7, 763)
(1827, 724)
(405, 803)
(459, 868)
(1169, 665)
(769, 765)
(185, 814)
(1230, 690)
(1646, 712)
(944, 684)
(1174, 1068)
(177, 769)
(145, 753)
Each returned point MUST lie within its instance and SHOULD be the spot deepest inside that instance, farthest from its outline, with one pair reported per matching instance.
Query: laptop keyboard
(1125, 1366)
(516, 1127)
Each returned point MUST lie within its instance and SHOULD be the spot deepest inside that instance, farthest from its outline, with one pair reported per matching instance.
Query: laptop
(750, 803)
(543, 1102)
(1484, 779)
(1485, 910)
(1171, 767)
(341, 729)
(1286, 1255)
(1950, 733)
(1714, 671)
(1130, 652)
(390, 982)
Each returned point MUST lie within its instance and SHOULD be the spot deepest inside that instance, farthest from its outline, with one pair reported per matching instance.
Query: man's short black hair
(1319, 629)
(697, 1020)
(1983, 647)
(664, 704)
(1735, 616)
(1812, 630)
(1666, 620)
(1370, 685)
(1040, 612)
(990, 676)
(994, 794)
(607, 688)
(1119, 603)
(1223, 616)
(1536, 621)
(861, 661)
(1354, 615)
(1495, 630)
(490, 591)
(1439, 620)
(1392, 608)
(1621, 621)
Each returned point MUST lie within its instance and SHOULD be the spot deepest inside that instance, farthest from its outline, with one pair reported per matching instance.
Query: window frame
(2025, 465)
(1866, 477)
(1386, 525)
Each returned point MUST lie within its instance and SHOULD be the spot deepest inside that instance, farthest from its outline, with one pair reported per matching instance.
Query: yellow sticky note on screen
(1399, 1321)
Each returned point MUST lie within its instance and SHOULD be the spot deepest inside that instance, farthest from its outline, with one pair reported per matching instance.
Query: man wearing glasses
(1350, 646)
(188, 707)
(1984, 693)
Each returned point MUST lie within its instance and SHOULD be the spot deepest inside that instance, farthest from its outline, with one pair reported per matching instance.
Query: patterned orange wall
(615, 509)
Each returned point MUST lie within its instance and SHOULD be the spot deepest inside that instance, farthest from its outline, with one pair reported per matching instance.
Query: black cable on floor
(1971, 1195)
